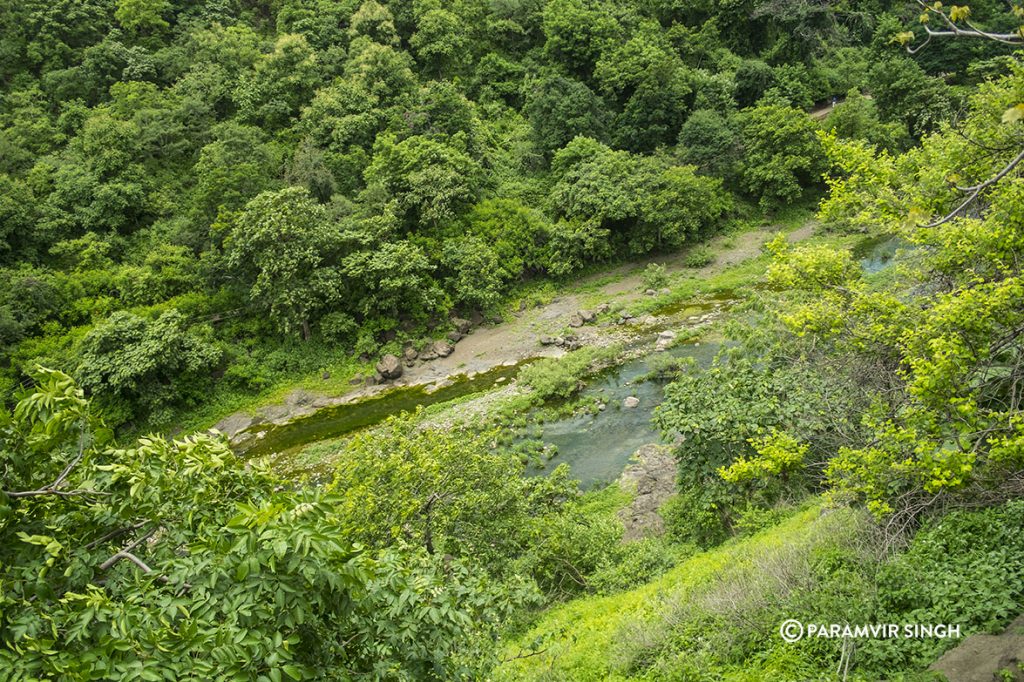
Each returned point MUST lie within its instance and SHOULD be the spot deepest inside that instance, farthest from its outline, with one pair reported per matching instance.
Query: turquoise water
(597, 447)
(877, 254)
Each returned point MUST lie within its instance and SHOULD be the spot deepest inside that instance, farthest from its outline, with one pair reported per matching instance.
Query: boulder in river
(461, 326)
(454, 336)
(631, 401)
(389, 367)
(410, 354)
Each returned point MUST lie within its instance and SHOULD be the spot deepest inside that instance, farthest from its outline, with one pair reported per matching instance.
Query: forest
(333, 331)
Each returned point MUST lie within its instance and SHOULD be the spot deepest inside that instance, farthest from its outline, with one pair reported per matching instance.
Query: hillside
(511, 340)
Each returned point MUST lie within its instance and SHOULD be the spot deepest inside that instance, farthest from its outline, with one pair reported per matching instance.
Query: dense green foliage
(350, 174)
(210, 199)
(169, 559)
(716, 614)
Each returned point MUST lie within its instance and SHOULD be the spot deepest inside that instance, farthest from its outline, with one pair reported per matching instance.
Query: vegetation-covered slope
(190, 188)
(203, 200)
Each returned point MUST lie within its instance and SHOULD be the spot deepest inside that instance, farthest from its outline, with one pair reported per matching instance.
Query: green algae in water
(598, 446)
(333, 422)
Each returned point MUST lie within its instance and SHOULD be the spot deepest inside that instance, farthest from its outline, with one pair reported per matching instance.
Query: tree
(559, 109)
(281, 245)
(678, 206)
(577, 31)
(140, 369)
(451, 490)
(783, 154)
(515, 232)
(709, 141)
(97, 184)
(651, 85)
(232, 169)
(857, 118)
(381, 70)
(906, 94)
(279, 85)
(142, 16)
(374, 21)
(130, 563)
(422, 182)
(440, 42)
(393, 280)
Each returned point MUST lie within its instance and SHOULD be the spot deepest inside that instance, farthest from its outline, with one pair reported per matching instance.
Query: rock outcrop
(983, 658)
(651, 474)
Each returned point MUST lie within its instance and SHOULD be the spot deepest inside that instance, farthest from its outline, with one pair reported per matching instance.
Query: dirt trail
(518, 337)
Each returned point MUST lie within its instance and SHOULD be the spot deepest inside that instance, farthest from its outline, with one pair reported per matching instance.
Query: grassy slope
(583, 635)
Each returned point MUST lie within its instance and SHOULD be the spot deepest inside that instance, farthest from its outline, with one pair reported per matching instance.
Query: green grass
(580, 639)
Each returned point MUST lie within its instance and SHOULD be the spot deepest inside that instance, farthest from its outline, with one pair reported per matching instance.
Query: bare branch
(976, 190)
(115, 533)
(52, 489)
(125, 553)
(955, 31)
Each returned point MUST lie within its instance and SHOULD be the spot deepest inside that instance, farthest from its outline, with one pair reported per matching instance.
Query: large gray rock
(983, 657)
(587, 316)
(443, 349)
(462, 326)
(576, 320)
(651, 474)
(389, 367)
(631, 401)
(410, 354)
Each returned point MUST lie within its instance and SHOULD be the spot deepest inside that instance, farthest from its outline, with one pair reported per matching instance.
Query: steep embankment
(608, 638)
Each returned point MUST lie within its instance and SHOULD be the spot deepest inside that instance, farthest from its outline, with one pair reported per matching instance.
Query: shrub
(562, 377)
(654, 276)
(636, 563)
(699, 257)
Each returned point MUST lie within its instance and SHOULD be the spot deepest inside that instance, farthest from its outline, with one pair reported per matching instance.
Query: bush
(636, 563)
(699, 257)
(964, 568)
(562, 377)
(693, 516)
(654, 276)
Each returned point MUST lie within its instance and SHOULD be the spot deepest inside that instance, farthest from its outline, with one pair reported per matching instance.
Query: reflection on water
(597, 447)
(332, 422)
(877, 253)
